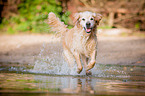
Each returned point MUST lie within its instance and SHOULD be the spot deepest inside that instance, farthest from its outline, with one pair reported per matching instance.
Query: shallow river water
(107, 80)
(51, 76)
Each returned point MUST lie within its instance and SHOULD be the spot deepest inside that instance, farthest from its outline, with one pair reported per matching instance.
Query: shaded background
(29, 15)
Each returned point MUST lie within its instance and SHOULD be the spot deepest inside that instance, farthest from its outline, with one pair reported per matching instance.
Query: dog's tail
(56, 25)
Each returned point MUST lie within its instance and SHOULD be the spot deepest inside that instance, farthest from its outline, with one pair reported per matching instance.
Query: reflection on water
(106, 80)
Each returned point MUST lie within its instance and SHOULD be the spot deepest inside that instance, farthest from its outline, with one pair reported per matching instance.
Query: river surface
(20, 80)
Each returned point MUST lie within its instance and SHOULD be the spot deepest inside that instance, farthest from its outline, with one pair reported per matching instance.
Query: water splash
(53, 64)
(50, 66)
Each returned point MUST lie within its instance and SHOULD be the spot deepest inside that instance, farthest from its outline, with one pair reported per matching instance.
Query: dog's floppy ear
(97, 17)
(76, 17)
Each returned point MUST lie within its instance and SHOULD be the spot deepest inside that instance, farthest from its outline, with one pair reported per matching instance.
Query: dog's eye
(92, 19)
(83, 19)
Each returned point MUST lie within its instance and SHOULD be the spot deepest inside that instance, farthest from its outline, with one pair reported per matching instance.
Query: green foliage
(32, 14)
(137, 25)
(10, 30)
(64, 19)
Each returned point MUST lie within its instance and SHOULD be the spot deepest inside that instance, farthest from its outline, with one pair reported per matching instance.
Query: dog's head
(87, 20)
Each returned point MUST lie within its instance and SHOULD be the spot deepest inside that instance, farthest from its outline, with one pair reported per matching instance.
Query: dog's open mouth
(88, 30)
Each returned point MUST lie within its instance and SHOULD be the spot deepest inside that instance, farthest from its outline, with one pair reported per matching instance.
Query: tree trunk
(111, 19)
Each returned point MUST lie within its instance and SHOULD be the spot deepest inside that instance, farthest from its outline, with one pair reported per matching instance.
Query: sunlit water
(51, 75)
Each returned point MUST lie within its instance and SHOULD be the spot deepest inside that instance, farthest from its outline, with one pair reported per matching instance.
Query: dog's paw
(88, 73)
(79, 70)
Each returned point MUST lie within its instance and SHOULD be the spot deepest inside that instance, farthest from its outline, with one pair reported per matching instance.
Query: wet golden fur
(79, 42)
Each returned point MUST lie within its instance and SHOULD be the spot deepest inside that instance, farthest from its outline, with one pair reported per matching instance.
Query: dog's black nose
(88, 24)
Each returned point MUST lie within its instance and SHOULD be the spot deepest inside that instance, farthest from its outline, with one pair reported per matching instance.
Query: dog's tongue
(88, 30)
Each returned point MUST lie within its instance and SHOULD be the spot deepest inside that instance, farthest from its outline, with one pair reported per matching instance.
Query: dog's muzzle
(88, 28)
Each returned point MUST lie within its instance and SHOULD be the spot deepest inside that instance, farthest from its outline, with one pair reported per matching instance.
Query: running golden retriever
(79, 42)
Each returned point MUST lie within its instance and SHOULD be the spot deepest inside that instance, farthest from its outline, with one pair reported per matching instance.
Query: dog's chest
(80, 44)
(83, 45)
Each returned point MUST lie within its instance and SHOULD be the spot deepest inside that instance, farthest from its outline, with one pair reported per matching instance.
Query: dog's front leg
(78, 61)
(92, 61)
(85, 60)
